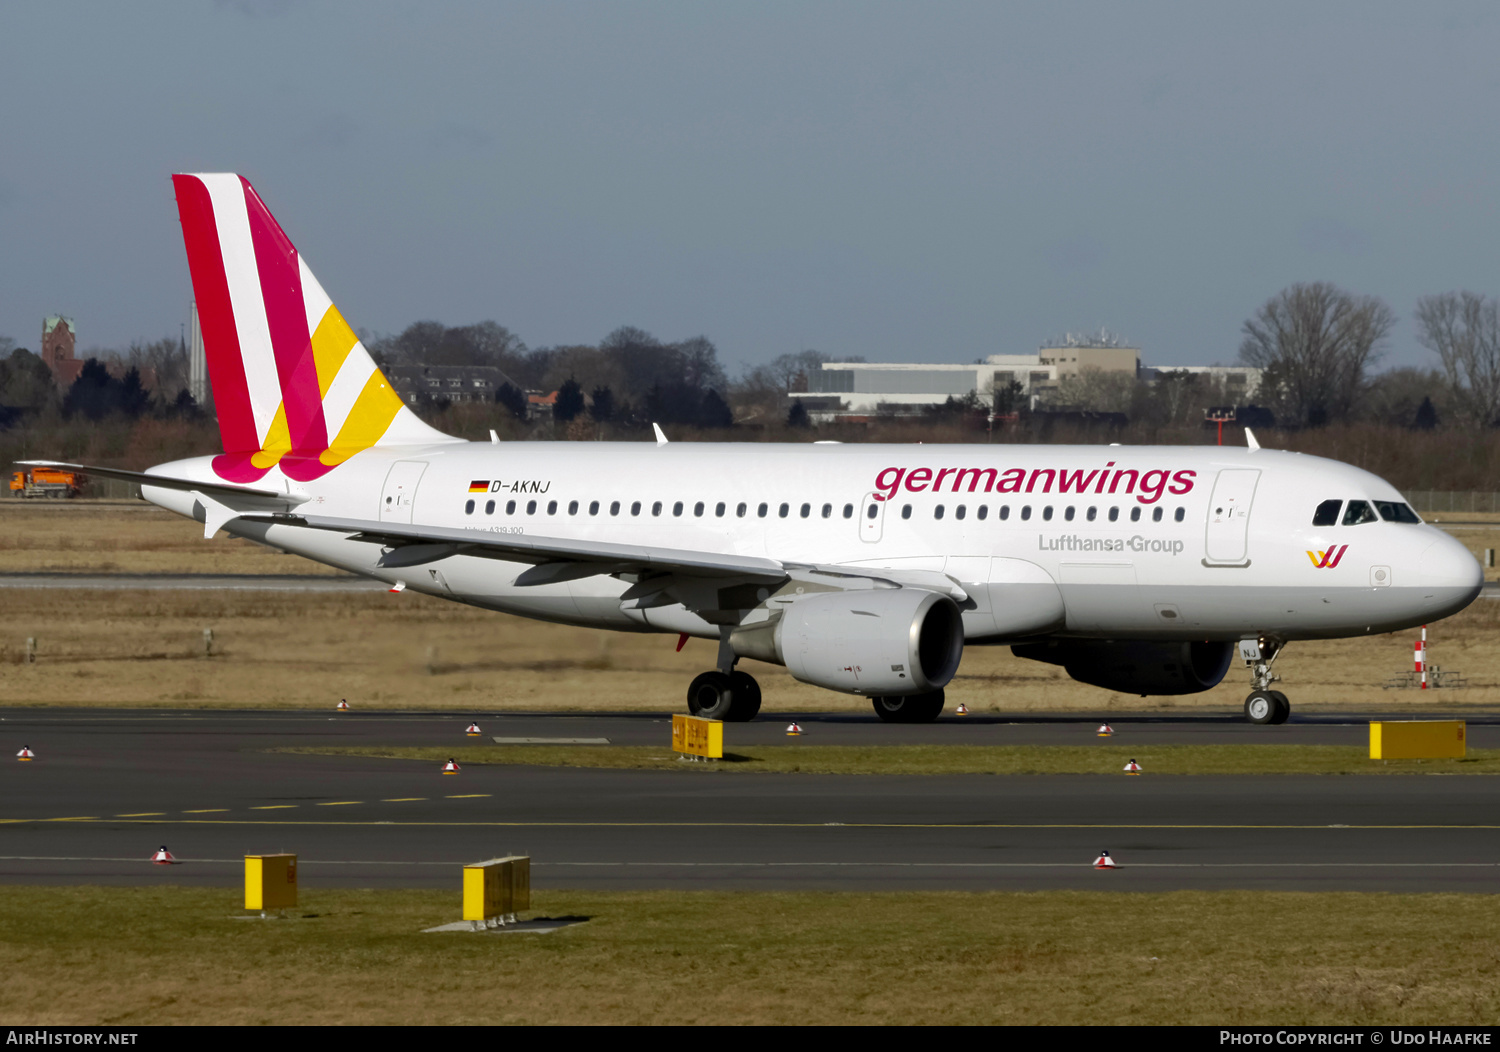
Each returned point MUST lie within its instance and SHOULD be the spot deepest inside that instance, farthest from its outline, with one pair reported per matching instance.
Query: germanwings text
(1146, 486)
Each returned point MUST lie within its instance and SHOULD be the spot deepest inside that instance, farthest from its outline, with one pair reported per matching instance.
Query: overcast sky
(907, 182)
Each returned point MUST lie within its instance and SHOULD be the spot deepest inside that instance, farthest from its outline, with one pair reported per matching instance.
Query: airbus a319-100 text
(865, 569)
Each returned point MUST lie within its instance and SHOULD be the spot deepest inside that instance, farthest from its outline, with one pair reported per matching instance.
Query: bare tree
(1315, 342)
(1463, 330)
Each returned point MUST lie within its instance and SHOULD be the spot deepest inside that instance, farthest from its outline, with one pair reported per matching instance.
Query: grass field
(1155, 760)
(279, 649)
(157, 955)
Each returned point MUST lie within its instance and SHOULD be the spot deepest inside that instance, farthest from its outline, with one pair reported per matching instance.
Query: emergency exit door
(872, 517)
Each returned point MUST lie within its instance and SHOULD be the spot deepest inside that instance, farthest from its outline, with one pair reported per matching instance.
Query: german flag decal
(482, 486)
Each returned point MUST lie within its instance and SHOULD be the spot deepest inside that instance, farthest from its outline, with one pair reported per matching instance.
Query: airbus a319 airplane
(864, 569)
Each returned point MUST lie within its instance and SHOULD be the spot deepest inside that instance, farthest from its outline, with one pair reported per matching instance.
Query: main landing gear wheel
(1267, 706)
(909, 708)
(734, 698)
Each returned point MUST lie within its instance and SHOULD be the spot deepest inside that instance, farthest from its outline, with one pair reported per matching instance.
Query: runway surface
(107, 789)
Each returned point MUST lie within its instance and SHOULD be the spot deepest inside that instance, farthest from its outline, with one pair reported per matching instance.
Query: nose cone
(1449, 576)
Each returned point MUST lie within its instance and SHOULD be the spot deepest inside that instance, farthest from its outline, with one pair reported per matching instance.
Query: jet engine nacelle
(878, 641)
(1136, 667)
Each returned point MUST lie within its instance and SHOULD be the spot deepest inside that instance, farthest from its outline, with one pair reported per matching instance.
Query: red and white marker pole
(1421, 657)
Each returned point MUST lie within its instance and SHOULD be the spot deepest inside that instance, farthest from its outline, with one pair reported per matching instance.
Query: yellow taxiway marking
(466, 796)
(143, 814)
(76, 818)
(340, 803)
(206, 811)
(267, 807)
(401, 799)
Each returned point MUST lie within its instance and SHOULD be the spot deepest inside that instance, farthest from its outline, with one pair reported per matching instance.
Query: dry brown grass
(172, 955)
(279, 649)
(85, 536)
(411, 651)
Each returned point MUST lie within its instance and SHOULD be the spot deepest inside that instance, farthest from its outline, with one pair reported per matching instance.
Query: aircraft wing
(556, 560)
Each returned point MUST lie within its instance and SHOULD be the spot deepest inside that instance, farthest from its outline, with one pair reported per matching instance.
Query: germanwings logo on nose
(1330, 558)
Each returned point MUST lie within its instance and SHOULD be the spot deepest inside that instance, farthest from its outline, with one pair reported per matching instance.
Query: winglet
(661, 439)
(1250, 439)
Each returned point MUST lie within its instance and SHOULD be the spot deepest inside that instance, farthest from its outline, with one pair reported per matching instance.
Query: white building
(845, 389)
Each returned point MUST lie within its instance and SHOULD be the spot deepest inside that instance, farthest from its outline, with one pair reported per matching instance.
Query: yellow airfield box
(498, 888)
(698, 737)
(270, 882)
(1417, 740)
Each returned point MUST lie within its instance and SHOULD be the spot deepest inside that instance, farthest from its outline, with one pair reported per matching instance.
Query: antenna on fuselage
(1250, 439)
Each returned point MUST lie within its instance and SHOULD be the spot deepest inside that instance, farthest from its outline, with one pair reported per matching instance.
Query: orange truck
(45, 482)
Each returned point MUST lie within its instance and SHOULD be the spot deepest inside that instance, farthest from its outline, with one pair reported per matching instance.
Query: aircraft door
(400, 492)
(1229, 517)
(872, 517)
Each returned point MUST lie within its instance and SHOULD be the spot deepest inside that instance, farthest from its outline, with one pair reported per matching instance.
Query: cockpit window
(1358, 512)
(1327, 513)
(1395, 511)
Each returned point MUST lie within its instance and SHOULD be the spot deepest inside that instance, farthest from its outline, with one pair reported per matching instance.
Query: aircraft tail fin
(293, 386)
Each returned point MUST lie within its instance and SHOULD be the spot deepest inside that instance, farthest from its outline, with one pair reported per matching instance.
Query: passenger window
(873, 511)
(1156, 514)
(1068, 513)
(1180, 514)
(827, 511)
(1135, 514)
(531, 507)
(552, 507)
(593, 507)
(741, 508)
(469, 507)
(906, 511)
(1047, 513)
(489, 507)
(1327, 513)
(806, 510)
(635, 507)
(784, 510)
(1004, 512)
(1092, 514)
(656, 508)
(1025, 512)
(761, 511)
(677, 508)
(1114, 514)
(960, 511)
(1395, 511)
(1359, 512)
(849, 510)
(719, 510)
(614, 507)
(937, 512)
(510, 507)
(572, 507)
(983, 512)
(698, 510)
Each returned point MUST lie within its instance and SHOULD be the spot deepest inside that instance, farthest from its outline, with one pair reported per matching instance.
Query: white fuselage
(1146, 542)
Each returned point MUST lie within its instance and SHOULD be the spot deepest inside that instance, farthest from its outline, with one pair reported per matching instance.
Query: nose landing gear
(1264, 705)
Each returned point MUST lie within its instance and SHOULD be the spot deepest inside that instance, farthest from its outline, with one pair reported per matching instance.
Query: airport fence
(1441, 500)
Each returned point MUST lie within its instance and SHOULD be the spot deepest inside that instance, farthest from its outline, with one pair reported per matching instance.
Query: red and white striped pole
(1421, 657)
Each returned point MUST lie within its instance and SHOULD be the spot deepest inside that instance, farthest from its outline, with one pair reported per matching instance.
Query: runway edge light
(1104, 861)
(25, 754)
(163, 857)
(1105, 730)
(1132, 768)
(451, 767)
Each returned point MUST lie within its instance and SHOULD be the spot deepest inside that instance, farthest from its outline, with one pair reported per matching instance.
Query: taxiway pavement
(107, 788)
